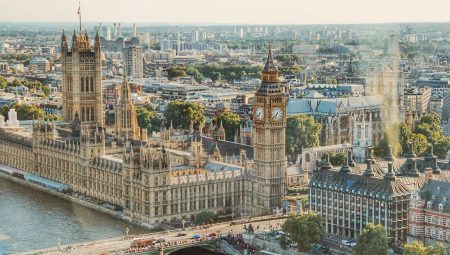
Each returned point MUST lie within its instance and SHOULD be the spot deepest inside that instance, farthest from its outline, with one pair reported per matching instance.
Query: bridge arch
(192, 250)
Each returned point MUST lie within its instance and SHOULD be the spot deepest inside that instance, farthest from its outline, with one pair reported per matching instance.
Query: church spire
(269, 66)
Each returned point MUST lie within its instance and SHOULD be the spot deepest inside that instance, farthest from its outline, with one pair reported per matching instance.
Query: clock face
(277, 113)
(259, 113)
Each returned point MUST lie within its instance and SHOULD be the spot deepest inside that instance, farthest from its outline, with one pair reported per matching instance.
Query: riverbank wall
(93, 206)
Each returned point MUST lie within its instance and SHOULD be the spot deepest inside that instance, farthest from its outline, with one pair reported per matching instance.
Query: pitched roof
(226, 147)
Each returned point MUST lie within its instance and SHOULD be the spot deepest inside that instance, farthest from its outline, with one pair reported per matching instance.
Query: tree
(24, 111)
(302, 131)
(205, 217)
(194, 73)
(381, 149)
(3, 82)
(215, 76)
(182, 113)
(372, 241)
(337, 159)
(442, 147)
(230, 122)
(176, 71)
(147, 119)
(417, 248)
(305, 230)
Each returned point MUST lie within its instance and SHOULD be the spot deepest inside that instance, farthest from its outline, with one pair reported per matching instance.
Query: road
(118, 245)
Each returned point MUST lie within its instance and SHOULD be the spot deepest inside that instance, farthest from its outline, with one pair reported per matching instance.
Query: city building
(429, 214)
(174, 176)
(417, 101)
(39, 65)
(134, 61)
(348, 201)
(355, 120)
(82, 79)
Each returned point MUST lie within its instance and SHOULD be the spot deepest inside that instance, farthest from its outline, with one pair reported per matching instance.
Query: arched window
(92, 84)
(307, 157)
(92, 113)
(82, 114)
(82, 84)
(87, 84)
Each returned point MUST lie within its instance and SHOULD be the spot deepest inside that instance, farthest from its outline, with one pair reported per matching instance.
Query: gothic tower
(126, 117)
(82, 79)
(269, 115)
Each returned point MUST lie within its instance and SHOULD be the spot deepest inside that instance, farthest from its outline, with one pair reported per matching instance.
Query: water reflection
(30, 220)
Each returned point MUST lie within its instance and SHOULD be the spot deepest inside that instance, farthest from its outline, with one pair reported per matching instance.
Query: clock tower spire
(269, 116)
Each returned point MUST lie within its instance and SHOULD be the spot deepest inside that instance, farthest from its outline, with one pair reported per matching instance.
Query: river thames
(31, 219)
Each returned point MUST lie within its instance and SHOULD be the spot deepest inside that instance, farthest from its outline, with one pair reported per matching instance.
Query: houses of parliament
(168, 178)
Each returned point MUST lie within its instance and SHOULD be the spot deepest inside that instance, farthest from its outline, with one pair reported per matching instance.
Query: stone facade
(173, 177)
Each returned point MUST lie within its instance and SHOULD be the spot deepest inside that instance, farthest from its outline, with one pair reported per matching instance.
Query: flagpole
(79, 13)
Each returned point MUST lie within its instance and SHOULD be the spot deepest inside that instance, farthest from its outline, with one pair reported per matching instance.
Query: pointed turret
(351, 162)
(410, 152)
(270, 66)
(435, 167)
(389, 155)
(369, 169)
(269, 83)
(345, 167)
(390, 175)
(326, 165)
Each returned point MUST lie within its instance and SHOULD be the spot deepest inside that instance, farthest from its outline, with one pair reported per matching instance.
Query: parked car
(349, 243)
(181, 234)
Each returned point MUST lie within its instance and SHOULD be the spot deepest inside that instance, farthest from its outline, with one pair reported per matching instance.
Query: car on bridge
(196, 236)
(160, 240)
(213, 234)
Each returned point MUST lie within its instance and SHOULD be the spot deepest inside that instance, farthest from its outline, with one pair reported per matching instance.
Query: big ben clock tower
(269, 116)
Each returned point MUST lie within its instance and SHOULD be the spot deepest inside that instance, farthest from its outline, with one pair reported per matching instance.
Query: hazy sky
(229, 11)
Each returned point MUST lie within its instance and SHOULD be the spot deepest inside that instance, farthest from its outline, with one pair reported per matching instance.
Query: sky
(228, 11)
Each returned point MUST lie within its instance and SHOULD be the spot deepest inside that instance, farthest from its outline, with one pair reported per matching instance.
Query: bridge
(172, 241)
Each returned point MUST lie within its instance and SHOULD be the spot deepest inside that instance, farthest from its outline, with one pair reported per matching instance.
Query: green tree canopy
(372, 241)
(194, 73)
(181, 114)
(176, 71)
(305, 230)
(24, 111)
(3, 82)
(337, 159)
(231, 122)
(205, 217)
(147, 119)
(417, 248)
(302, 131)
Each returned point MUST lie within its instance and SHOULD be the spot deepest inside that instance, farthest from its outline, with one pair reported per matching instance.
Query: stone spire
(345, 167)
(410, 152)
(390, 175)
(326, 165)
(389, 155)
(435, 166)
(270, 66)
(351, 162)
(369, 169)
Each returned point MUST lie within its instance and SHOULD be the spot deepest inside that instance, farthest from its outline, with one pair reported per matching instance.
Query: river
(31, 219)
